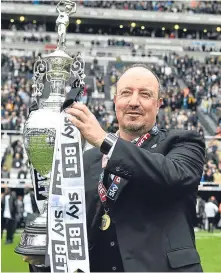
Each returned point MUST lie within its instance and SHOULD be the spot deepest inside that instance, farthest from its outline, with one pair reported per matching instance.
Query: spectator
(217, 176)
(17, 161)
(211, 210)
(20, 210)
(5, 173)
(8, 213)
(22, 174)
(200, 212)
(209, 175)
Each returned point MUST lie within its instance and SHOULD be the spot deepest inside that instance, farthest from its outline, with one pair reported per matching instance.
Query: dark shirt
(105, 256)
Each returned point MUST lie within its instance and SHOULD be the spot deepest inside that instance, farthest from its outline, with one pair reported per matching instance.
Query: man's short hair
(160, 89)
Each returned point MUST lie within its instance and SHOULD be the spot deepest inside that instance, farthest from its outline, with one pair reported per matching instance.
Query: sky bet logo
(59, 259)
(75, 241)
(69, 129)
(70, 160)
(56, 186)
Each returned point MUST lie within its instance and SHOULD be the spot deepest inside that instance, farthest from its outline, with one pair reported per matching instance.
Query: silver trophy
(40, 128)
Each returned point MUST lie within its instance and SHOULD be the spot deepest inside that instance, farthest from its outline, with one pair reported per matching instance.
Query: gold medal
(106, 220)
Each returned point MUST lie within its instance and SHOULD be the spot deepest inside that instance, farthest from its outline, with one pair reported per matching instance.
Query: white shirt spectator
(7, 213)
(210, 209)
(168, 70)
(27, 205)
(214, 77)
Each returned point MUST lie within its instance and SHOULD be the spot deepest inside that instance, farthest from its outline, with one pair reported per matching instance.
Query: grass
(208, 245)
(209, 248)
(10, 261)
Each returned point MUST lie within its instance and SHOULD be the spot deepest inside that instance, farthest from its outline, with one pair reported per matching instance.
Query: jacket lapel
(150, 145)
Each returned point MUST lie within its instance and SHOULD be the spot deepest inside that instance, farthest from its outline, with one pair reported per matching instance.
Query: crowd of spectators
(209, 7)
(98, 72)
(18, 208)
(14, 161)
(15, 91)
(212, 168)
(203, 81)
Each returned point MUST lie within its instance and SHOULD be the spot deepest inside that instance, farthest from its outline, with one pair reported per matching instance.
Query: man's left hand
(87, 123)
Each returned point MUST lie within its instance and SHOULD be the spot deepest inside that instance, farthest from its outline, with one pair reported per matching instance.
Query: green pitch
(10, 261)
(208, 245)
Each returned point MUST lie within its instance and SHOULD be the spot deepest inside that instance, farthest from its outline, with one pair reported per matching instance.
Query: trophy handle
(40, 69)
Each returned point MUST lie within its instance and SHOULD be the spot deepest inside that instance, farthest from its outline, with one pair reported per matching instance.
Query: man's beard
(135, 129)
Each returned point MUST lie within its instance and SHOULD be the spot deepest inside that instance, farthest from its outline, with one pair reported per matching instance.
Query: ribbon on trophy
(68, 244)
(39, 189)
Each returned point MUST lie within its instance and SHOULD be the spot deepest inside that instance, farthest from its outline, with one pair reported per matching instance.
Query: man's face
(136, 101)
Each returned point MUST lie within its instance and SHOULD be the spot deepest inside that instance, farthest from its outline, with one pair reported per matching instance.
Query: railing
(209, 186)
(108, 54)
(15, 183)
(87, 38)
(148, 43)
(11, 132)
(22, 183)
(103, 55)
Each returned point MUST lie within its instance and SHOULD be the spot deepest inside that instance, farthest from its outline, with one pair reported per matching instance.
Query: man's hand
(35, 260)
(87, 124)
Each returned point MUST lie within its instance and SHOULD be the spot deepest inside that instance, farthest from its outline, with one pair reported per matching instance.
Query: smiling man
(137, 102)
(140, 215)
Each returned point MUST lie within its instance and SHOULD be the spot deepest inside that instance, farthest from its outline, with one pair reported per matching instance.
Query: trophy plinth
(33, 240)
(41, 125)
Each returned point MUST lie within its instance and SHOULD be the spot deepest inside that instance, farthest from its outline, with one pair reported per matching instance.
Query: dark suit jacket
(155, 209)
(12, 206)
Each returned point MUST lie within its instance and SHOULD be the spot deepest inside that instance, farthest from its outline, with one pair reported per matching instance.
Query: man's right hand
(34, 260)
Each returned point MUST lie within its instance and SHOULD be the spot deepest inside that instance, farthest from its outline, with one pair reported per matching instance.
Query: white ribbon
(67, 233)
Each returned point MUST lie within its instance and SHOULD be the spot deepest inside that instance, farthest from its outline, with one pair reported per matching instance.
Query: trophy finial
(63, 20)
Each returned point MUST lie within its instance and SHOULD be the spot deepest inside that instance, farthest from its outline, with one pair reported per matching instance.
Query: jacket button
(117, 169)
(112, 243)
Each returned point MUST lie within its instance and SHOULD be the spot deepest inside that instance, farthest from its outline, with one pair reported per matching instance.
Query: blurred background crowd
(184, 54)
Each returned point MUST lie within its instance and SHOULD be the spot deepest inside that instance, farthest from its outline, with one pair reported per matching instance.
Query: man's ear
(159, 103)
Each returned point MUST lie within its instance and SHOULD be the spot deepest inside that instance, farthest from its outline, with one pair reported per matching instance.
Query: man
(200, 212)
(211, 210)
(137, 231)
(8, 213)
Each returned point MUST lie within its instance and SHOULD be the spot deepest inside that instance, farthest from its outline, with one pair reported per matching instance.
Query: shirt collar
(153, 131)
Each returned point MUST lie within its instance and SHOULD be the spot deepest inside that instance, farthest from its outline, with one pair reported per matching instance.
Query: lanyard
(111, 193)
